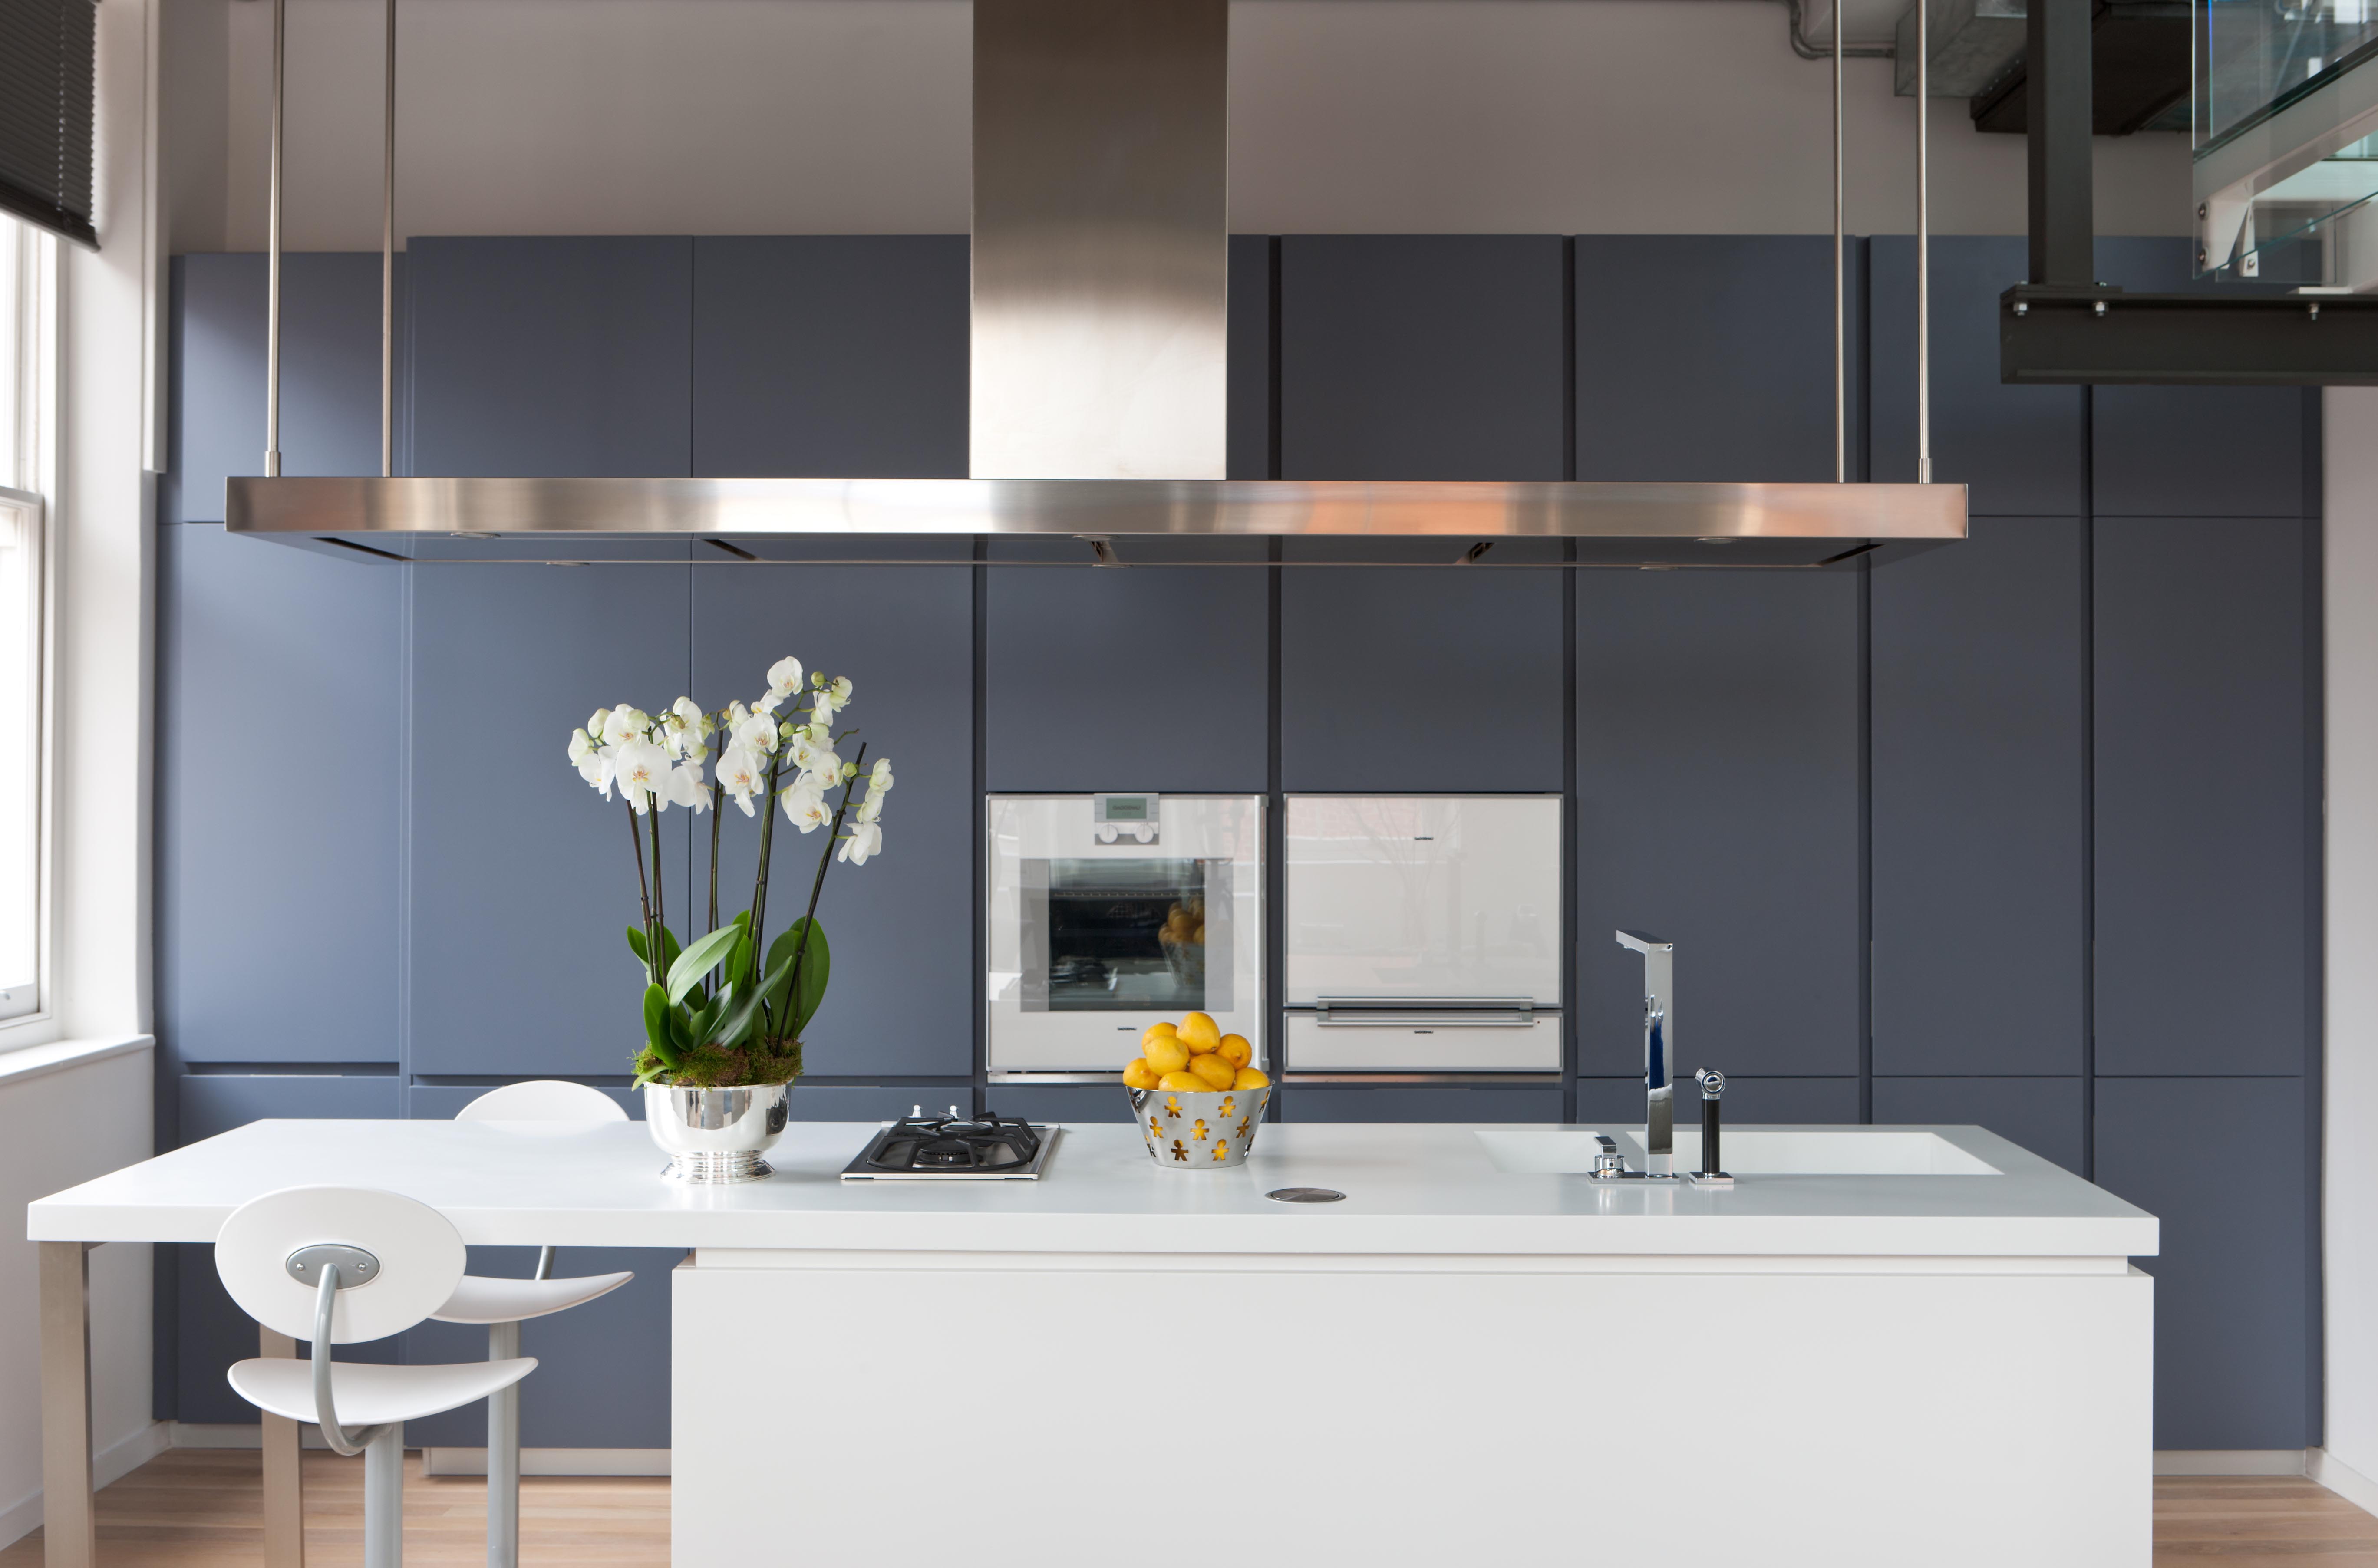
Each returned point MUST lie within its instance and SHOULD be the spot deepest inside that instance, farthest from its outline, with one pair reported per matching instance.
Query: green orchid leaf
(680, 1031)
(815, 970)
(656, 1029)
(668, 949)
(691, 965)
(636, 942)
(733, 1029)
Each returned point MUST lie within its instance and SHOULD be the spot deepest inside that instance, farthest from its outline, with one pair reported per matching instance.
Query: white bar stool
(335, 1265)
(501, 1304)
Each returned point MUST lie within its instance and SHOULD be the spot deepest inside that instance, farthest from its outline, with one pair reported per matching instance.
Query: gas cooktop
(953, 1148)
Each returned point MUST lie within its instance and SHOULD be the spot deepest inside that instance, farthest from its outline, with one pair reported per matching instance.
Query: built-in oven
(1109, 913)
(1424, 936)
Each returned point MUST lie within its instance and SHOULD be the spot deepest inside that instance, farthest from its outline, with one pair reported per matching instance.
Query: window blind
(45, 113)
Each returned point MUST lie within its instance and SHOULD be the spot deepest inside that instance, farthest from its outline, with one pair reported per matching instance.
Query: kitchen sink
(1847, 1151)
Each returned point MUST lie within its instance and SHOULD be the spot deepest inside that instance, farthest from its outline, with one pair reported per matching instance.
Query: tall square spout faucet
(1658, 1047)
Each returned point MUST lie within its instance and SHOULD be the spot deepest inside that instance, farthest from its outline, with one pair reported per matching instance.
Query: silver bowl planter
(714, 1137)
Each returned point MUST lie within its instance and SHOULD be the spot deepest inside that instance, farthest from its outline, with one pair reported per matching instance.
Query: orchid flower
(684, 727)
(864, 840)
(624, 723)
(594, 764)
(643, 771)
(879, 778)
(805, 806)
(685, 787)
(870, 809)
(757, 732)
(784, 677)
(742, 775)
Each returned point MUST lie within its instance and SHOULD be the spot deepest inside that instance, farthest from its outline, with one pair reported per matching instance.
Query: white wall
(59, 1128)
(2349, 1197)
(756, 116)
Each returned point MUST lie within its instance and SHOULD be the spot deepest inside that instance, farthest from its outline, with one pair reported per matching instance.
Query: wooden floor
(199, 1508)
(202, 1508)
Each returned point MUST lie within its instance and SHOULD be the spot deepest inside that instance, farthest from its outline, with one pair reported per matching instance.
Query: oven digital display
(1129, 936)
(1126, 808)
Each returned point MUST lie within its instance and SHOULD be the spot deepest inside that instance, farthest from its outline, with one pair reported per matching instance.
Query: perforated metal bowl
(1212, 1130)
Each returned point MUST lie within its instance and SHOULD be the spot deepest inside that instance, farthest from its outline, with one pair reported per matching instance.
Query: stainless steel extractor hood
(1098, 358)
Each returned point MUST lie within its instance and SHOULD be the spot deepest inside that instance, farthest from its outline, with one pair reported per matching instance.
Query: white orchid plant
(716, 1012)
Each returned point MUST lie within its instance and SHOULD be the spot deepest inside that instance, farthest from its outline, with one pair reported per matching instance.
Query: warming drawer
(1424, 1046)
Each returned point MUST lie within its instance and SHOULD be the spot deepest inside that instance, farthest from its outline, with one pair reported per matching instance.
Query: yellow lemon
(1235, 1050)
(1200, 1033)
(1197, 937)
(1154, 1032)
(1249, 1078)
(1165, 1054)
(1184, 1084)
(1139, 1075)
(1218, 1073)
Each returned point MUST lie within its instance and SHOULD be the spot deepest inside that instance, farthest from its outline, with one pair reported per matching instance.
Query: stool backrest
(542, 1099)
(417, 1254)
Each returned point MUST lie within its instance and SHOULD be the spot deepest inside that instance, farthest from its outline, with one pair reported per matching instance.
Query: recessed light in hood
(1097, 366)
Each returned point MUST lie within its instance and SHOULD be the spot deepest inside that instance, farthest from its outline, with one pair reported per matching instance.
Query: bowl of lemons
(1196, 1094)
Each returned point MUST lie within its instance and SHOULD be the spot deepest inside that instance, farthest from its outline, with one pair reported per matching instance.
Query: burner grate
(926, 1145)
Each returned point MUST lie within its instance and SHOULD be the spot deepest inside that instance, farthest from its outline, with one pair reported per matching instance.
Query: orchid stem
(645, 898)
(715, 803)
(817, 884)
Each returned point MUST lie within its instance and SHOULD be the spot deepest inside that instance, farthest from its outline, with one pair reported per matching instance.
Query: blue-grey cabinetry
(2197, 451)
(1420, 356)
(522, 882)
(835, 355)
(276, 907)
(2237, 1339)
(552, 356)
(2206, 823)
(330, 372)
(1711, 356)
(1373, 657)
(210, 1331)
(901, 999)
(2018, 448)
(1103, 679)
(1748, 1099)
(1979, 749)
(1718, 806)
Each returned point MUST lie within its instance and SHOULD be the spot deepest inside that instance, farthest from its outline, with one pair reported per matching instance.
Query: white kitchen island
(1883, 1345)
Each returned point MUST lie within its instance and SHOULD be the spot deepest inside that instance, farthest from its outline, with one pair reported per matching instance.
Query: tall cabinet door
(840, 356)
(1718, 806)
(552, 356)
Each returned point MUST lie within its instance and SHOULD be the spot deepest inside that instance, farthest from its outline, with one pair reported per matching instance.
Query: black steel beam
(2055, 85)
(2054, 336)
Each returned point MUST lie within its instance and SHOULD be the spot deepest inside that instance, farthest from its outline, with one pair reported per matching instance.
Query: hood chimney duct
(1101, 218)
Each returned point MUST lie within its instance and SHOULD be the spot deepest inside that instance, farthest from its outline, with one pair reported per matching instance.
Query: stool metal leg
(384, 1497)
(503, 1454)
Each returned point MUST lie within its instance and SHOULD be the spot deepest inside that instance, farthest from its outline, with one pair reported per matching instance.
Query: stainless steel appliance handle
(1479, 1012)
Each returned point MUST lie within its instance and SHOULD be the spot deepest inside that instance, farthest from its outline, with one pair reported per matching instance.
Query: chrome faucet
(1658, 1047)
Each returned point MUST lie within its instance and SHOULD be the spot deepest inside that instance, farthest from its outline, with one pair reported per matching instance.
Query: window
(27, 266)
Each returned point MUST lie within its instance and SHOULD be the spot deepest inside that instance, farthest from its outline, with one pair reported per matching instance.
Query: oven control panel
(1115, 818)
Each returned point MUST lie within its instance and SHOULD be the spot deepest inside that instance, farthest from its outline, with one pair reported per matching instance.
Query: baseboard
(551, 1461)
(2231, 1461)
(235, 1434)
(110, 1464)
(2342, 1478)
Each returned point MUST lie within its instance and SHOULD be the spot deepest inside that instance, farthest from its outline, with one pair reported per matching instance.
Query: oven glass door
(1125, 936)
(1091, 942)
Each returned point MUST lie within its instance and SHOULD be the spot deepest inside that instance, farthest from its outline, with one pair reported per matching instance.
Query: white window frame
(24, 1020)
(21, 1003)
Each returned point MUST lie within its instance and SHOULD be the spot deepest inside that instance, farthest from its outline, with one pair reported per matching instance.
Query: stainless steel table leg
(284, 1498)
(69, 1533)
(503, 1454)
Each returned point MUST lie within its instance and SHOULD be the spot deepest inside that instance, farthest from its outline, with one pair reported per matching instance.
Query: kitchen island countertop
(1410, 1190)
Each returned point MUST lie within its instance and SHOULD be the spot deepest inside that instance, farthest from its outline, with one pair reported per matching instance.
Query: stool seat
(482, 1299)
(368, 1394)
